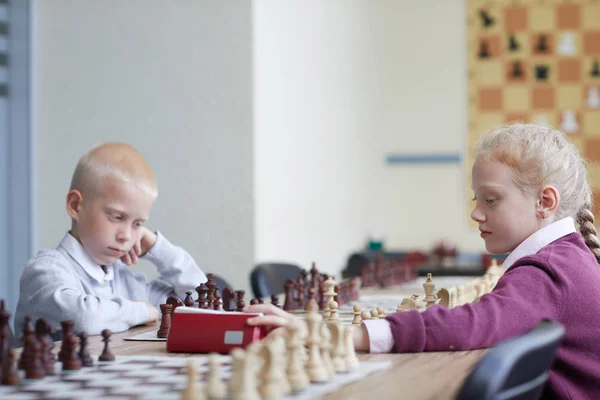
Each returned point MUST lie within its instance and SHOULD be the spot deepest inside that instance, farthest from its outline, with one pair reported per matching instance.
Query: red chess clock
(196, 330)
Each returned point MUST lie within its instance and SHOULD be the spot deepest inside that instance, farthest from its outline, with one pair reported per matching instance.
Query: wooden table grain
(418, 376)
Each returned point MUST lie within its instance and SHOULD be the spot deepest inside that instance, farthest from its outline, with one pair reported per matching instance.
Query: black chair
(268, 278)
(516, 368)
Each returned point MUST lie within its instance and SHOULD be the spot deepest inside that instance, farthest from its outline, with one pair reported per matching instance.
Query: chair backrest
(268, 278)
(221, 283)
(516, 368)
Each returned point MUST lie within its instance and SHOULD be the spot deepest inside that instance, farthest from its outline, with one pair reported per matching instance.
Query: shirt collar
(541, 238)
(81, 257)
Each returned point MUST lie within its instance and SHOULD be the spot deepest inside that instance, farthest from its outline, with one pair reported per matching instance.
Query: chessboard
(312, 358)
(152, 377)
(535, 61)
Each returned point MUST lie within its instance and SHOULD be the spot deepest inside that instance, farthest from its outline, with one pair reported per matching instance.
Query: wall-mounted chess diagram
(536, 61)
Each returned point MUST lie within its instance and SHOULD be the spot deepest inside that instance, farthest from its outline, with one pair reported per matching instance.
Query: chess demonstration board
(535, 61)
(152, 378)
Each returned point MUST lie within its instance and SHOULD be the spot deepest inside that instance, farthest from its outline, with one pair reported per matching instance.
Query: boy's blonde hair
(541, 156)
(116, 160)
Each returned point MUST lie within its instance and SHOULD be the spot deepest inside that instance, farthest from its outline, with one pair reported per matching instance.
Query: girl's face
(506, 216)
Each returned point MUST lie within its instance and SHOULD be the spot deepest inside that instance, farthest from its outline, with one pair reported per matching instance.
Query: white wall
(333, 86)
(176, 82)
(338, 85)
(419, 68)
(311, 134)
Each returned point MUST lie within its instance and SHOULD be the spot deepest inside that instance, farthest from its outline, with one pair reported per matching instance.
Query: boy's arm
(178, 271)
(50, 289)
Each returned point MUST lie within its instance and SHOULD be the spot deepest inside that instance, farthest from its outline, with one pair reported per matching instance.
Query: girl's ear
(547, 202)
(74, 203)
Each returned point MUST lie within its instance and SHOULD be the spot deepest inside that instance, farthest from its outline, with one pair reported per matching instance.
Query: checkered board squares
(535, 61)
(152, 378)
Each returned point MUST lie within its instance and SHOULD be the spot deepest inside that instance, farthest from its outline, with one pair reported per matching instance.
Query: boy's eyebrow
(116, 210)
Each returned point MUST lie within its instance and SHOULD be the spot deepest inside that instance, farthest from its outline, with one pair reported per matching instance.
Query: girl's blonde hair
(541, 156)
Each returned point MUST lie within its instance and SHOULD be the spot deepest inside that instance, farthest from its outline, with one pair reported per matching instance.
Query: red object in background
(486, 261)
(195, 330)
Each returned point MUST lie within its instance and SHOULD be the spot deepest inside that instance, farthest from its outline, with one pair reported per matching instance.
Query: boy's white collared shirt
(81, 257)
(380, 334)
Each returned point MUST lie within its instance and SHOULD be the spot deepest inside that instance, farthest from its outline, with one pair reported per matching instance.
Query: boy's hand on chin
(141, 247)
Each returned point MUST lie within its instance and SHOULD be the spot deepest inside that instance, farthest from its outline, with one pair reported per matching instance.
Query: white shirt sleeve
(50, 289)
(178, 271)
(381, 339)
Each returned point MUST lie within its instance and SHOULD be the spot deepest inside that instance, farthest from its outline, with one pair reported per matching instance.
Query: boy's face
(110, 222)
(506, 216)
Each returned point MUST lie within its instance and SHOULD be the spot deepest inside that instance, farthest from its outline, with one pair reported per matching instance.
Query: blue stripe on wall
(432, 158)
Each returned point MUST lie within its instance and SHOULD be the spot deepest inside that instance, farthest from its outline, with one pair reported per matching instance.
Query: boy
(87, 279)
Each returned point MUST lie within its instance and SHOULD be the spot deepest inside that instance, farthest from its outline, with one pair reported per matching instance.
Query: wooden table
(415, 376)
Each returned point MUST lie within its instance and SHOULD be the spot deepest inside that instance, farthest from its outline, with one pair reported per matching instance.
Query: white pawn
(429, 288)
(334, 318)
(380, 312)
(326, 348)
(330, 294)
(567, 44)
(248, 389)
(191, 392)
(338, 353)
(406, 305)
(296, 373)
(243, 381)
(542, 120)
(569, 124)
(593, 99)
(273, 353)
(351, 359)
(316, 368)
(216, 388)
(365, 315)
(374, 314)
(416, 298)
(356, 312)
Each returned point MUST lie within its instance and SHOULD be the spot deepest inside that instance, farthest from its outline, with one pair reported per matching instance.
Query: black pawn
(34, 369)
(9, 373)
(240, 300)
(46, 356)
(4, 318)
(189, 300)
(512, 43)
(27, 334)
(483, 50)
(595, 72)
(43, 330)
(84, 355)
(217, 302)
(275, 301)
(542, 45)
(67, 330)
(71, 361)
(202, 300)
(106, 354)
(486, 19)
(517, 70)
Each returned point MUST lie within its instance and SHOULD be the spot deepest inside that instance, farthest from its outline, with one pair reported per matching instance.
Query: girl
(530, 187)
